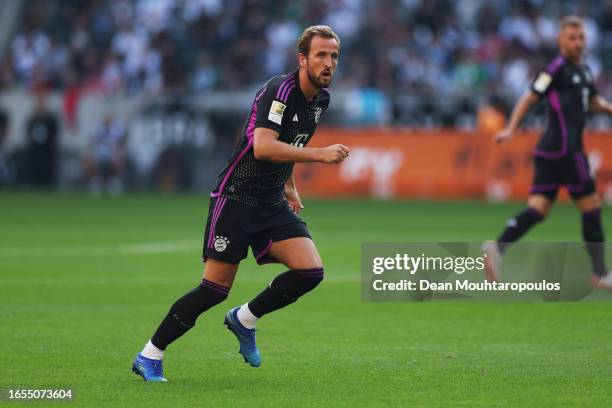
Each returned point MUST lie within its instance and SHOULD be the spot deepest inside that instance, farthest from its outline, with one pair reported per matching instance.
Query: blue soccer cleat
(148, 368)
(246, 338)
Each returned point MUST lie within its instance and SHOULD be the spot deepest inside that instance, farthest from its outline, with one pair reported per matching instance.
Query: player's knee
(206, 295)
(539, 205)
(310, 278)
(537, 214)
(297, 282)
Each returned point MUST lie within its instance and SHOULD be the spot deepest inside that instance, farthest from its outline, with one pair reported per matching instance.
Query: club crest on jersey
(276, 112)
(221, 243)
(318, 113)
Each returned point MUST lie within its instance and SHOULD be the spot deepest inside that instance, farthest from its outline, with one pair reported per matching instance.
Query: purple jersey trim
(287, 92)
(555, 104)
(554, 66)
(250, 132)
(281, 89)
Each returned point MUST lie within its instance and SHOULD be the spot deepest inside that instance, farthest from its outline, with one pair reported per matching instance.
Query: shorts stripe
(213, 224)
(538, 188)
(581, 166)
(575, 188)
(264, 251)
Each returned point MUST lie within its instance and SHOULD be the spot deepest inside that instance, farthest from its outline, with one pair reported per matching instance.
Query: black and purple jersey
(568, 89)
(281, 106)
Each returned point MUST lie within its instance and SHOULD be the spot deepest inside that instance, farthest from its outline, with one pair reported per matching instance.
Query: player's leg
(225, 245)
(538, 207)
(581, 186)
(291, 245)
(544, 190)
(593, 235)
(305, 272)
(214, 288)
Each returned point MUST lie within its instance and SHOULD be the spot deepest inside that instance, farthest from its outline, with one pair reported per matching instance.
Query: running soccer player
(255, 204)
(567, 85)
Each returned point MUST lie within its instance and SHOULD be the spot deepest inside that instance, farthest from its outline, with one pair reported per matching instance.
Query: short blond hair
(311, 32)
(571, 21)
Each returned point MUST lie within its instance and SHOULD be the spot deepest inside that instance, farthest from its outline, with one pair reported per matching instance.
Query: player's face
(321, 61)
(572, 41)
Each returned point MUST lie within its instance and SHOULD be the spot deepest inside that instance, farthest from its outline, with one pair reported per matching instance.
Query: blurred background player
(568, 86)
(42, 131)
(255, 204)
(106, 162)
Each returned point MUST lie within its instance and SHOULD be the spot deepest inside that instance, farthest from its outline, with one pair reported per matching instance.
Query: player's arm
(293, 197)
(266, 146)
(600, 105)
(524, 104)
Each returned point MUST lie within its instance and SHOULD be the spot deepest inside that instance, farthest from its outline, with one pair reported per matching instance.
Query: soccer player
(567, 85)
(255, 204)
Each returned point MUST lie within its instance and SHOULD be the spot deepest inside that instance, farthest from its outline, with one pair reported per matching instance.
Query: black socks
(184, 312)
(593, 235)
(517, 227)
(285, 289)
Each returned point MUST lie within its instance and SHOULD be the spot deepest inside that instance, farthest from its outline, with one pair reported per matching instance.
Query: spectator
(42, 135)
(105, 163)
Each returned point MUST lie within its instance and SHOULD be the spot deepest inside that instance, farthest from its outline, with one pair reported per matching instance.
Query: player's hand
(294, 200)
(334, 153)
(503, 136)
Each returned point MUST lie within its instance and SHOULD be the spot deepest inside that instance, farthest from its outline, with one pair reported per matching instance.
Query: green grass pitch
(84, 282)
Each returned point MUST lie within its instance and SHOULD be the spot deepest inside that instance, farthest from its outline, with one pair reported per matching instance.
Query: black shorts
(571, 171)
(233, 227)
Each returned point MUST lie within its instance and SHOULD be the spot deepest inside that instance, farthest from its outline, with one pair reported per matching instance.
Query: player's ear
(301, 60)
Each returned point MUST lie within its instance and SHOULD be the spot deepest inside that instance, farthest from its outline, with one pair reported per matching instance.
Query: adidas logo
(295, 118)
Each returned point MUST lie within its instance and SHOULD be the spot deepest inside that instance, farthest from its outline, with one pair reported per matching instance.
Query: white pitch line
(102, 281)
(144, 248)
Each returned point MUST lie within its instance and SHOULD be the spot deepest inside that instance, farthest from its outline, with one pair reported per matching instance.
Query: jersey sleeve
(544, 82)
(270, 110)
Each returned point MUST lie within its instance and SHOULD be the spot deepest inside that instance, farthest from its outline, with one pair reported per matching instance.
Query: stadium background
(421, 86)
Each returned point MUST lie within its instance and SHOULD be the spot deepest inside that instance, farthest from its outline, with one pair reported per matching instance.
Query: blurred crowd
(424, 47)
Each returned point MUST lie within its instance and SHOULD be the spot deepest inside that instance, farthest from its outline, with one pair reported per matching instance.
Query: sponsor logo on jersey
(542, 82)
(576, 78)
(295, 118)
(300, 140)
(276, 112)
(221, 243)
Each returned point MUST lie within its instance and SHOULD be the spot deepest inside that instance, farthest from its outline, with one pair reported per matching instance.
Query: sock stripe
(215, 286)
(592, 214)
(313, 273)
(306, 271)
